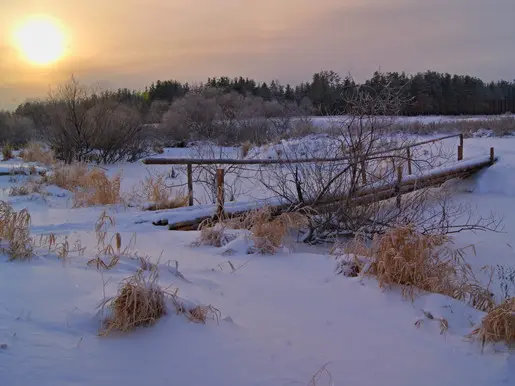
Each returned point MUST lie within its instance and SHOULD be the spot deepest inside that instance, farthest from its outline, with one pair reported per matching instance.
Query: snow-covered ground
(283, 317)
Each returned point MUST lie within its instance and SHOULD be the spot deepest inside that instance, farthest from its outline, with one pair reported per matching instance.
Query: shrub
(34, 152)
(139, 302)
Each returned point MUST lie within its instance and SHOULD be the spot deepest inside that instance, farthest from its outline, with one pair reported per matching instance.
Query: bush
(80, 125)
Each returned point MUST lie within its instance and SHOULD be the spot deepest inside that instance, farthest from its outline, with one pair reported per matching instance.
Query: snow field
(283, 317)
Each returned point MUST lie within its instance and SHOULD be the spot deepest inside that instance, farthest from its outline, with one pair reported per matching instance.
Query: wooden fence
(220, 171)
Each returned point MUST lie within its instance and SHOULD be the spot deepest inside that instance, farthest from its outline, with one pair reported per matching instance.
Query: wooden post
(408, 154)
(461, 140)
(460, 153)
(492, 155)
(220, 193)
(363, 172)
(190, 185)
(398, 187)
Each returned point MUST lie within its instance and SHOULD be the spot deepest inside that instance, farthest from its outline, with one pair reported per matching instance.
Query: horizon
(131, 47)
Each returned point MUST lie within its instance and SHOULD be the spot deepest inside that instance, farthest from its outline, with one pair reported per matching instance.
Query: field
(281, 319)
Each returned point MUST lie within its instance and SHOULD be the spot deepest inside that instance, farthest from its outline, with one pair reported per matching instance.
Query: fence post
(461, 140)
(398, 187)
(220, 194)
(408, 154)
(492, 155)
(190, 185)
(460, 153)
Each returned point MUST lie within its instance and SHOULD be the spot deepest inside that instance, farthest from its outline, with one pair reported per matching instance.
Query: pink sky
(131, 43)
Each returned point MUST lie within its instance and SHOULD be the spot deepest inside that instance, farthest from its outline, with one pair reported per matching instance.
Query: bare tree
(116, 132)
(370, 160)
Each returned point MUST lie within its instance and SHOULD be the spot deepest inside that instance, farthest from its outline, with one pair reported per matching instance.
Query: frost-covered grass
(282, 317)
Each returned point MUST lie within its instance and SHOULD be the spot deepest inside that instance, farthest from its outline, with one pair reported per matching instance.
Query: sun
(40, 40)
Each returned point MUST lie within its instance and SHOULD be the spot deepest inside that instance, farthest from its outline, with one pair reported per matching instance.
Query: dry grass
(89, 187)
(268, 232)
(245, 149)
(7, 152)
(319, 376)
(34, 152)
(402, 256)
(212, 234)
(68, 177)
(15, 230)
(139, 302)
(109, 252)
(146, 265)
(95, 188)
(499, 126)
(160, 196)
(25, 189)
(196, 314)
(499, 324)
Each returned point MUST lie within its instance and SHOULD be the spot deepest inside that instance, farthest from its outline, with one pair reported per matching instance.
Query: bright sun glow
(40, 40)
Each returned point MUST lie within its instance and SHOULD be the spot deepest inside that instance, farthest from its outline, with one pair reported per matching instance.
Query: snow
(283, 317)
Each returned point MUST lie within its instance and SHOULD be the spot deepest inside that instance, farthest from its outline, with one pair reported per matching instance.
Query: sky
(130, 43)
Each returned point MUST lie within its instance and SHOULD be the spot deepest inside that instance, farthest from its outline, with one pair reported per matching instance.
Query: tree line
(428, 93)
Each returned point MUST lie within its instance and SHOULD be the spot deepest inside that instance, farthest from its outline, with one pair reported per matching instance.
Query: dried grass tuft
(268, 233)
(15, 230)
(245, 149)
(68, 177)
(89, 187)
(212, 234)
(139, 302)
(200, 314)
(95, 188)
(34, 152)
(146, 265)
(155, 190)
(7, 152)
(499, 324)
(27, 188)
(418, 262)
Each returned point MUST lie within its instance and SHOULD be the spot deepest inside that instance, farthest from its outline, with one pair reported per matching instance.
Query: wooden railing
(220, 172)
